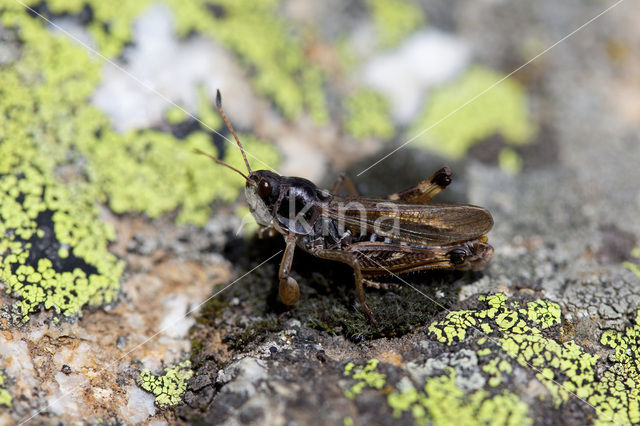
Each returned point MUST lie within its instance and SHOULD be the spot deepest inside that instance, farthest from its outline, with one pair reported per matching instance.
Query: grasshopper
(376, 237)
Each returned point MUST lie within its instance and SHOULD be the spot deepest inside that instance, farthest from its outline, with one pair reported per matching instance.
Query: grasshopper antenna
(224, 117)
(197, 151)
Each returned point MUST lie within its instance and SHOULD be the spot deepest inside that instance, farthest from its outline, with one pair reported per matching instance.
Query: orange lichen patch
(392, 358)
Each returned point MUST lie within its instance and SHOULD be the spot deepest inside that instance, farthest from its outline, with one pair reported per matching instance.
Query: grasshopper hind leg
(424, 191)
(344, 180)
(352, 261)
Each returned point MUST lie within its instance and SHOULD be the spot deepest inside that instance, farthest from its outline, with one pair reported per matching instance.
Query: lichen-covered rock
(169, 387)
(133, 290)
(5, 396)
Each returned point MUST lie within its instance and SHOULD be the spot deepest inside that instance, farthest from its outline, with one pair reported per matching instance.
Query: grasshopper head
(293, 202)
(262, 192)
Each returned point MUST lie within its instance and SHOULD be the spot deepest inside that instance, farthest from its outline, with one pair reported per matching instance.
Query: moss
(252, 332)
(327, 296)
(565, 369)
(440, 401)
(212, 310)
(394, 20)
(196, 348)
(336, 311)
(265, 44)
(5, 396)
(480, 112)
(168, 387)
(367, 115)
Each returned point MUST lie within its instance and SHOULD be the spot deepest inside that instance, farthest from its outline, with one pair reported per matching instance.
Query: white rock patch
(424, 60)
(140, 405)
(160, 70)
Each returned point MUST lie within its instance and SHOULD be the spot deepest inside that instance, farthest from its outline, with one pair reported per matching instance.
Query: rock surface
(548, 333)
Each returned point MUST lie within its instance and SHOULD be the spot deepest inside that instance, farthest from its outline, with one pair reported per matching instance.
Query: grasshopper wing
(415, 224)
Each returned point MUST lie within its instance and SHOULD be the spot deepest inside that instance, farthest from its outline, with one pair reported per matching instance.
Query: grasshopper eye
(264, 188)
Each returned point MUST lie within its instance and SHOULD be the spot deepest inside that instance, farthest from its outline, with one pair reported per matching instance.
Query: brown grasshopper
(374, 236)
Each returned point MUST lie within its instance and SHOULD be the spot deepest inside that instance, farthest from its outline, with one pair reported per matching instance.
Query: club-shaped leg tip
(218, 99)
(289, 291)
(442, 177)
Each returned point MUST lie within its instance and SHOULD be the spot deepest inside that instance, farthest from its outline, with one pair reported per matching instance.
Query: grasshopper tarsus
(372, 318)
(374, 236)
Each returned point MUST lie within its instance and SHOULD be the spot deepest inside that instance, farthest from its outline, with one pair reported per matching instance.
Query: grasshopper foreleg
(288, 290)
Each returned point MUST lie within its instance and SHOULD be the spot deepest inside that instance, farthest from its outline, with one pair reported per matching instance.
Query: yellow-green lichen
(510, 161)
(149, 171)
(472, 109)
(265, 44)
(617, 394)
(367, 115)
(440, 401)
(39, 218)
(175, 115)
(206, 113)
(394, 20)
(59, 157)
(633, 267)
(111, 24)
(43, 209)
(364, 377)
(565, 369)
(496, 368)
(168, 387)
(5, 396)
